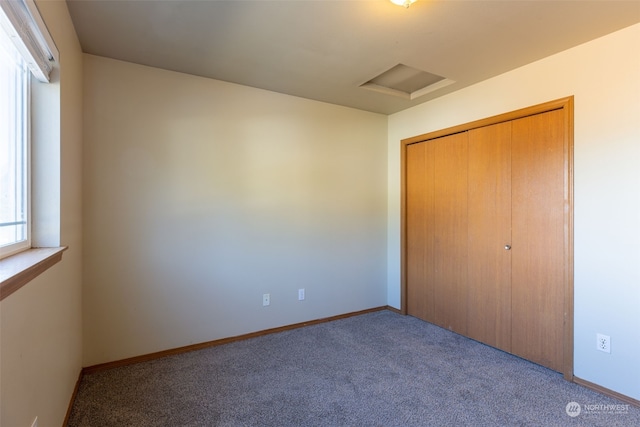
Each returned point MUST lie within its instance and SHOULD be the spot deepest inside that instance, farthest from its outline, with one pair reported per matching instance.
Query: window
(24, 51)
(14, 150)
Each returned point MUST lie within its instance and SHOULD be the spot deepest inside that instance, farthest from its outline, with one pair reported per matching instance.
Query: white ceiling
(325, 49)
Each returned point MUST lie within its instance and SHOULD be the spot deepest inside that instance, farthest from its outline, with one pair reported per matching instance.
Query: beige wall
(200, 196)
(604, 76)
(41, 330)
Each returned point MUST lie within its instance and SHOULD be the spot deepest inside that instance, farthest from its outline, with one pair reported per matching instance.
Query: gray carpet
(376, 369)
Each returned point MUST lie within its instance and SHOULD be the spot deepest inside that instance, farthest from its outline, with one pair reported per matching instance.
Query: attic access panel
(406, 82)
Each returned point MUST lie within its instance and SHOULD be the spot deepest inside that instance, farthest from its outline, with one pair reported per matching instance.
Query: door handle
(507, 247)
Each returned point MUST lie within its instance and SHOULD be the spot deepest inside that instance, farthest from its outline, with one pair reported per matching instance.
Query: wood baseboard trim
(179, 350)
(603, 390)
(395, 310)
(73, 398)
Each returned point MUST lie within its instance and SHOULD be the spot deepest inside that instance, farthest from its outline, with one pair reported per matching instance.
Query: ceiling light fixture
(405, 3)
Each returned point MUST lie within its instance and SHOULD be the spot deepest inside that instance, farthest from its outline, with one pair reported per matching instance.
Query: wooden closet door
(450, 230)
(436, 209)
(489, 267)
(420, 236)
(537, 255)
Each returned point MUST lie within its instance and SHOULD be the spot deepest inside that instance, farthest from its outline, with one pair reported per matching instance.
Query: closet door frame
(564, 104)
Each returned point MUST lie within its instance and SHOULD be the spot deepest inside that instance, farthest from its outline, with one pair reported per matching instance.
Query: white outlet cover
(603, 343)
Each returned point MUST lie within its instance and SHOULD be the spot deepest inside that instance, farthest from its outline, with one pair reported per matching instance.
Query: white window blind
(22, 23)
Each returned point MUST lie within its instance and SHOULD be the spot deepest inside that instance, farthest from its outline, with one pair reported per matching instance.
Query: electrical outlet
(266, 299)
(35, 423)
(604, 343)
(301, 294)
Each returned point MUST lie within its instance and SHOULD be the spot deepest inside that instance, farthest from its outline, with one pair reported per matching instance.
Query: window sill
(19, 269)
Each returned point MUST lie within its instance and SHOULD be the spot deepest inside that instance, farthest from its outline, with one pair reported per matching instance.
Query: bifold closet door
(489, 267)
(537, 255)
(436, 215)
(420, 237)
(451, 236)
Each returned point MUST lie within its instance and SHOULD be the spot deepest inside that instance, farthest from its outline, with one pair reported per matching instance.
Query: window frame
(23, 245)
(27, 38)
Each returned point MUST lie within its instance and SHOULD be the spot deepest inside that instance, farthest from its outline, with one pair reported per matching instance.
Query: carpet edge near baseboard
(607, 392)
(207, 344)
